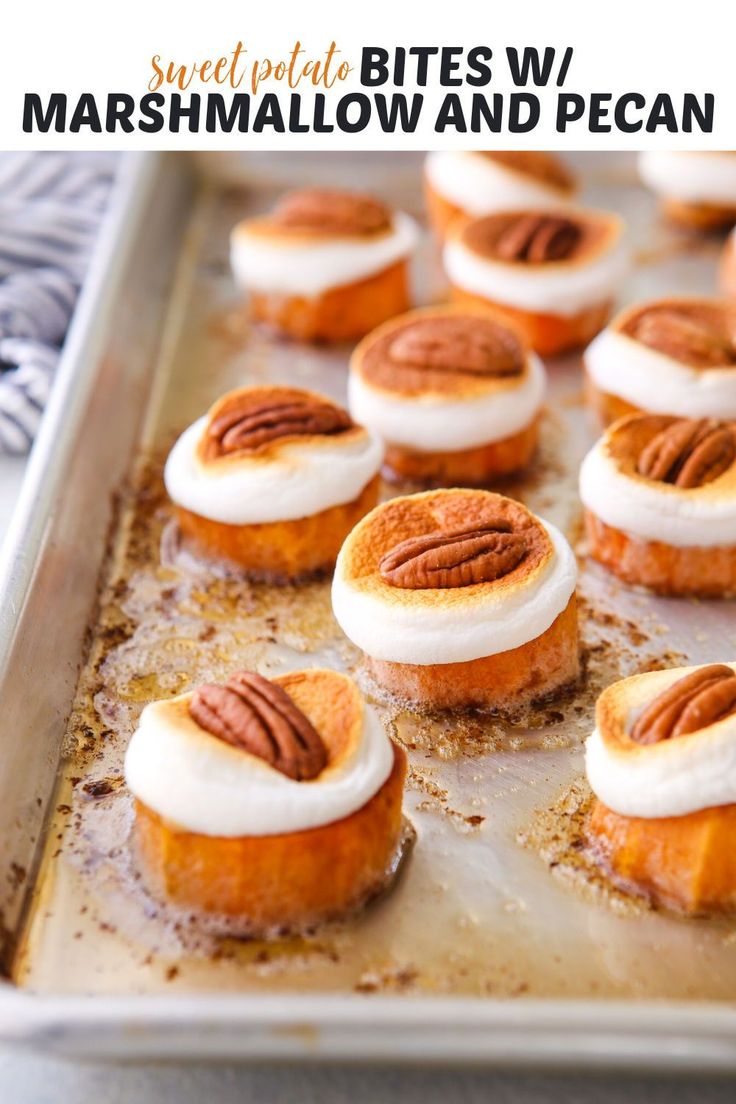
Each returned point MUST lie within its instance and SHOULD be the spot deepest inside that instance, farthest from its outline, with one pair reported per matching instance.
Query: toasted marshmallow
(480, 183)
(691, 177)
(589, 277)
(203, 784)
(293, 478)
(670, 778)
(456, 624)
(649, 509)
(431, 408)
(289, 263)
(654, 380)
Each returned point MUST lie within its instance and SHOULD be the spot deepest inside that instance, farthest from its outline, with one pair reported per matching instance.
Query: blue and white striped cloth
(51, 205)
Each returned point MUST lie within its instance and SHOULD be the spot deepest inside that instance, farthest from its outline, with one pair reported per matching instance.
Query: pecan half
(693, 702)
(324, 211)
(538, 238)
(689, 453)
(257, 715)
(469, 344)
(251, 423)
(686, 336)
(444, 560)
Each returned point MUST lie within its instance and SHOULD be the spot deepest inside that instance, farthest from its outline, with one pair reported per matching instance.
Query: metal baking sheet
(498, 943)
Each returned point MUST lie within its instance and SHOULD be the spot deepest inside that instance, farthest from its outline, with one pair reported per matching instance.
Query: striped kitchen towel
(51, 205)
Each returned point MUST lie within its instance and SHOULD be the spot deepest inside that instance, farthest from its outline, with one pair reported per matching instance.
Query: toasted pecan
(689, 453)
(458, 559)
(694, 333)
(537, 239)
(249, 421)
(329, 211)
(693, 702)
(258, 716)
(464, 343)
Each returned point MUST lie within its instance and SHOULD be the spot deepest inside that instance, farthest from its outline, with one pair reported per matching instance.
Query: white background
(620, 46)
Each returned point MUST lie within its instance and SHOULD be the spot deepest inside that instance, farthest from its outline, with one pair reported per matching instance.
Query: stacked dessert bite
(553, 276)
(474, 184)
(670, 356)
(660, 503)
(325, 265)
(277, 801)
(697, 190)
(273, 479)
(662, 765)
(456, 396)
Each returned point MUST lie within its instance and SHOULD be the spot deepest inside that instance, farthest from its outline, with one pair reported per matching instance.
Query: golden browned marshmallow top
(696, 701)
(447, 544)
(540, 237)
(665, 742)
(448, 576)
(681, 454)
(325, 212)
(264, 757)
(541, 166)
(445, 351)
(270, 453)
(630, 716)
(256, 421)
